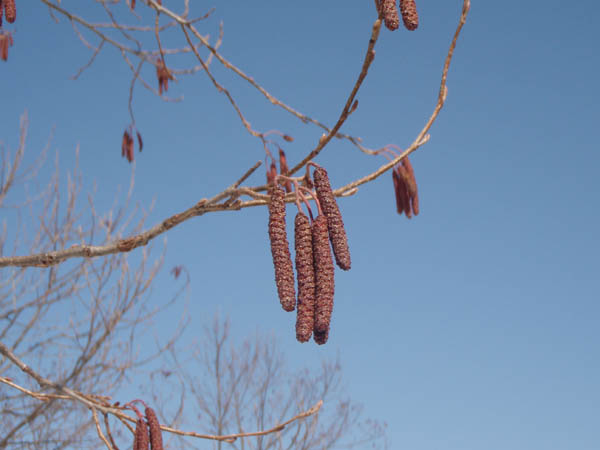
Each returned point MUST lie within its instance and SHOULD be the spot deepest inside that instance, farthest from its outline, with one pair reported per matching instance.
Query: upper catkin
(397, 191)
(141, 442)
(335, 224)
(404, 190)
(306, 278)
(284, 170)
(10, 10)
(408, 8)
(390, 14)
(324, 280)
(411, 184)
(156, 442)
(280, 250)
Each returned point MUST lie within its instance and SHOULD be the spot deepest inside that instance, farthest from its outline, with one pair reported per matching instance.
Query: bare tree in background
(250, 386)
(74, 302)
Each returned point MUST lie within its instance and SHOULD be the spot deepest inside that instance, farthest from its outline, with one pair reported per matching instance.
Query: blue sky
(476, 324)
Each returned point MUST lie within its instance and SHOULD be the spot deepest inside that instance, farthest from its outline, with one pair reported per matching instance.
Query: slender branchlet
(280, 250)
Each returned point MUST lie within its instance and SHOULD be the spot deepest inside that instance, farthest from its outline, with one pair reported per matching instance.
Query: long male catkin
(390, 14)
(280, 249)
(305, 270)
(408, 8)
(156, 442)
(141, 440)
(325, 285)
(10, 10)
(335, 224)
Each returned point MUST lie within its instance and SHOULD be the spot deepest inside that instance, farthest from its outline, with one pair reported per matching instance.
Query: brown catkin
(280, 250)
(305, 270)
(397, 191)
(141, 440)
(411, 183)
(156, 442)
(10, 10)
(335, 224)
(408, 8)
(324, 280)
(404, 190)
(284, 170)
(390, 14)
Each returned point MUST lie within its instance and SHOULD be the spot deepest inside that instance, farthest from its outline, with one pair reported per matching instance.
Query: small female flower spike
(280, 250)
(324, 280)
(10, 10)
(408, 8)
(390, 14)
(141, 441)
(156, 442)
(403, 190)
(337, 232)
(398, 191)
(305, 271)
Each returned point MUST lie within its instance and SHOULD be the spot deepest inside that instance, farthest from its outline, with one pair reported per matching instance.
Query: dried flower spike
(337, 232)
(271, 173)
(132, 4)
(10, 10)
(280, 250)
(6, 41)
(305, 271)
(408, 8)
(284, 170)
(411, 185)
(390, 14)
(156, 442)
(324, 280)
(141, 440)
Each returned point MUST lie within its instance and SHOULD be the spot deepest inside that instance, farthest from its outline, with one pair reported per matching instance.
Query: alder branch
(100, 404)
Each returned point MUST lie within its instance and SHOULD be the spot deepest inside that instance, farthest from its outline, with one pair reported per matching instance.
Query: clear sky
(475, 325)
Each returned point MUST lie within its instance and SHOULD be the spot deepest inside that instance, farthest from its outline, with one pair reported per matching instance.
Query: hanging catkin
(390, 14)
(141, 441)
(280, 250)
(324, 281)
(10, 10)
(411, 185)
(156, 442)
(408, 8)
(335, 224)
(305, 272)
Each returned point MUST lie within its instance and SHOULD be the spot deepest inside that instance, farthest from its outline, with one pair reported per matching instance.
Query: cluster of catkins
(408, 9)
(314, 264)
(127, 144)
(405, 188)
(147, 432)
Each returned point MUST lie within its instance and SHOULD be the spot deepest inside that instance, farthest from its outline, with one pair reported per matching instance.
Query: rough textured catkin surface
(141, 440)
(390, 14)
(10, 10)
(305, 273)
(335, 224)
(411, 184)
(408, 8)
(280, 250)
(156, 442)
(324, 280)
